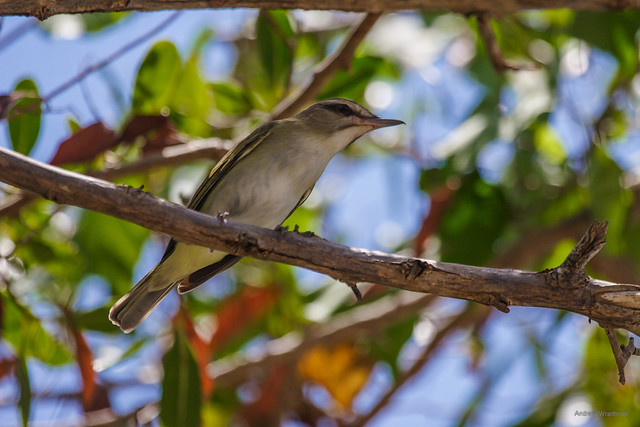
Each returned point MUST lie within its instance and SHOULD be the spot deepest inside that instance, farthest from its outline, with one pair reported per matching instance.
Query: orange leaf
(241, 310)
(85, 144)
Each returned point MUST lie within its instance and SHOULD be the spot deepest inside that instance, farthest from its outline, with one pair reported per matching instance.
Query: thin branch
(340, 59)
(615, 305)
(493, 49)
(109, 59)
(233, 370)
(573, 266)
(621, 353)
(620, 361)
(16, 33)
(43, 9)
(469, 317)
(173, 155)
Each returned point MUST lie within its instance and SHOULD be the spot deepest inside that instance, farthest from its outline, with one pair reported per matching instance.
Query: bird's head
(343, 120)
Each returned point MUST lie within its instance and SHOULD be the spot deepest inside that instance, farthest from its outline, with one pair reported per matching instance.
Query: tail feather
(130, 310)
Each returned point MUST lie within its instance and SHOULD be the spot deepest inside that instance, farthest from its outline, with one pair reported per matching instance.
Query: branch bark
(212, 148)
(43, 9)
(566, 288)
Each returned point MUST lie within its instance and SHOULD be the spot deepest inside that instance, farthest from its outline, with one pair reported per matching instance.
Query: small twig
(340, 59)
(86, 95)
(356, 291)
(571, 274)
(18, 32)
(621, 353)
(474, 316)
(109, 59)
(620, 359)
(588, 246)
(493, 49)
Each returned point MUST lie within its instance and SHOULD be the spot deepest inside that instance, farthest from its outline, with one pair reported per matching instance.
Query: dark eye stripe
(342, 109)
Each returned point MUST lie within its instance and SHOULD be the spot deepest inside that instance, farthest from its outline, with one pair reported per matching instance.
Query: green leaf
(25, 333)
(546, 410)
(600, 382)
(181, 399)
(74, 126)
(613, 32)
(230, 99)
(548, 144)
(25, 117)
(191, 101)
(388, 344)
(273, 34)
(110, 247)
(479, 210)
(24, 401)
(96, 320)
(156, 79)
(352, 84)
(94, 22)
(609, 199)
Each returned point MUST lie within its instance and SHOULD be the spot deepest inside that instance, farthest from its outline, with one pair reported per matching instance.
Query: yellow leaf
(342, 370)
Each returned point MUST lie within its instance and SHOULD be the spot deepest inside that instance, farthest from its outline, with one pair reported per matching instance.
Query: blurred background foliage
(501, 169)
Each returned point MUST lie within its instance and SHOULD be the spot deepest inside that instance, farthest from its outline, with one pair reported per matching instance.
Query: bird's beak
(377, 122)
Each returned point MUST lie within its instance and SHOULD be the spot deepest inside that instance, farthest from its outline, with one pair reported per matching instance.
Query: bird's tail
(130, 310)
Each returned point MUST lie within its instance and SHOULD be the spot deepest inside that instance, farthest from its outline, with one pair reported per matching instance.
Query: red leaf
(85, 144)
(261, 412)
(6, 366)
(240, 311)
(85, 362)
(157, 131)
(140, 125)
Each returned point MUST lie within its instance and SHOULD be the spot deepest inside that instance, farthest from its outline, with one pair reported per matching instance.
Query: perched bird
(261, 181)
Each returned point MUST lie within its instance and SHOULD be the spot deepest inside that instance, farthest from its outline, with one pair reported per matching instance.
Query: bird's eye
(343, 110)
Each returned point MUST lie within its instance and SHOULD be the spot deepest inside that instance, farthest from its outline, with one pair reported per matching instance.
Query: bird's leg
(282, 229)
(222, 217)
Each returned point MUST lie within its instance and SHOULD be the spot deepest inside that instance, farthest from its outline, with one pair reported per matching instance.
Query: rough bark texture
(566, 287)
(43, 9)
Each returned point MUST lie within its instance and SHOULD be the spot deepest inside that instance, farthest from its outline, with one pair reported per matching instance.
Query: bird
(260, 181)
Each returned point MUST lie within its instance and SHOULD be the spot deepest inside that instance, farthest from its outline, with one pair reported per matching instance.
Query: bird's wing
(197, 278)
(237, 153)
(302, 200)
(242, 149)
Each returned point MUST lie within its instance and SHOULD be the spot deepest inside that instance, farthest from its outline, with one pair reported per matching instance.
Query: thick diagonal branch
(615, 305)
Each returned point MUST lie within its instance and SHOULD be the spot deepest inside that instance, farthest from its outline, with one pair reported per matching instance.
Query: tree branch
(233, 370)
(493, 49)
(211, 148)
(615, 305)
(43, 9)
(340, 59)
